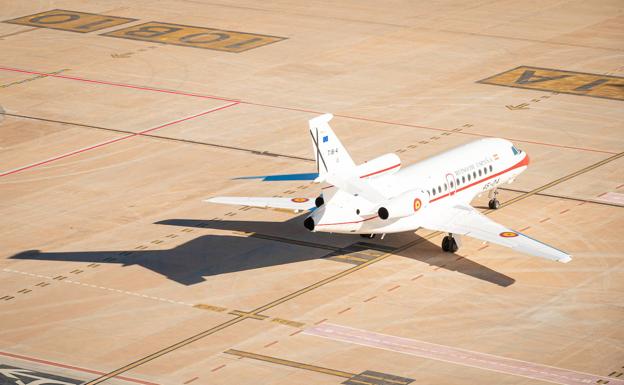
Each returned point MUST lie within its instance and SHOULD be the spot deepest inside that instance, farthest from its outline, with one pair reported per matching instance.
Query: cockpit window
(515, 150)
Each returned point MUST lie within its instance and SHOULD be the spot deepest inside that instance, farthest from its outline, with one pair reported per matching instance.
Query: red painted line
(561, 212)
(182, 93)
(483, 247)
(218, 367)
(65, 366)
(457, 356)
(620, 186)
(370, 299)
(380, 171)
(525, 228)
(344, 310)
(295, 333)
(321, 321)
(111, 141)
(544, 220)
(394, 288)
(439, 267)
(191, 380)
(123, 85)
(458, 258)
(270, 344)
(603, 194)
(418, 276)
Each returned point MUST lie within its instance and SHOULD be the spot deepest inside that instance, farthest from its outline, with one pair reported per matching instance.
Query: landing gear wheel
(449, 244)
(494, 204)
(369, 236)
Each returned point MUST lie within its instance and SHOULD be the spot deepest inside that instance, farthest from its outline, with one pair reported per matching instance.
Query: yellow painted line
(561, 81)
(209, 307)
(288, 322)
(198, 37)
(248, 315)
(70, 20)
(292, 364)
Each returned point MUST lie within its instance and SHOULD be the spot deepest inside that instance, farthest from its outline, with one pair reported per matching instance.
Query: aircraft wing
(296, 204)
(466, 220)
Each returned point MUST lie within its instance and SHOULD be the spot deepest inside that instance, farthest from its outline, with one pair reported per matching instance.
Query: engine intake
(403, 205)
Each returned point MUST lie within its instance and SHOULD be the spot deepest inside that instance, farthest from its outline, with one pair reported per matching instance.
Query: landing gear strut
(449, 244)
(369, 236)
(494, 204)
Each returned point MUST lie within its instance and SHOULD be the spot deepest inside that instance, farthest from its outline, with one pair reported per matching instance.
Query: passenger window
(474, 174)
(439, 189)
(451, 184)
(457, 182)
(468, 177)
(490, 168)
(484, 170)
(463, 179)
(479, 172)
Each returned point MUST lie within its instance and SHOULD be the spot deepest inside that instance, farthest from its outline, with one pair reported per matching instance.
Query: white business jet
(380, 197)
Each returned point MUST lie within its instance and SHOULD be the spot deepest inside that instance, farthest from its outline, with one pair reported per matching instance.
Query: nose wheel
(449, 244)
(494, 204)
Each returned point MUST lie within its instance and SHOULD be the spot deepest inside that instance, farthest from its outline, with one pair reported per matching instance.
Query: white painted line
(612, 197)
(456, 355)
(96, 287)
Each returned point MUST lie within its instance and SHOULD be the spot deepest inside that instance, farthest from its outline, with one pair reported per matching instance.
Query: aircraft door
(452, 185)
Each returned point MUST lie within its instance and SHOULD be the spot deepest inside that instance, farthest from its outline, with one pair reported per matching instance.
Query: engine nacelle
(404, 205)
(382, 165)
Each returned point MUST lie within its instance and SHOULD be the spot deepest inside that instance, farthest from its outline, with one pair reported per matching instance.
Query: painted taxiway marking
(612, 197)
(72, 367)
(99, 287)
(190, 94)
(111, 141)
(456, 355)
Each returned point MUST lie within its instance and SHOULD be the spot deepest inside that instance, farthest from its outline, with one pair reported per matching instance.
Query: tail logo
(417, 204)
(300, 200)
(508, 234)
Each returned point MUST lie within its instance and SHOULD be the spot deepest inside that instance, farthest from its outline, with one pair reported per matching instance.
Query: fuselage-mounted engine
(408, 203)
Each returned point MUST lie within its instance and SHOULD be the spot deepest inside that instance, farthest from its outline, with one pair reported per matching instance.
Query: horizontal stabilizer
(283, 177)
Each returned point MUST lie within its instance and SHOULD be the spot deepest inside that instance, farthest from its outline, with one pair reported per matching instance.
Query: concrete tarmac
(118, 119)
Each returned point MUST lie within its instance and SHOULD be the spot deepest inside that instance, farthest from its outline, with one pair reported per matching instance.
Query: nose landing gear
(494, 204)
(449, 244)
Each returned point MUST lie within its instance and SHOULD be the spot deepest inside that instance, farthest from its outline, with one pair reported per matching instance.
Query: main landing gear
(449, 244)
(494, 204)
(369, 236)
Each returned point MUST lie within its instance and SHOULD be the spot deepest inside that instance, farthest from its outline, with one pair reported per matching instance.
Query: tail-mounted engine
(404, 205)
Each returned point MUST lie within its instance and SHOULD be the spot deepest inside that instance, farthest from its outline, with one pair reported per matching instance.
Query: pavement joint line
(97, 287)
(584, 200)
(330, 279)
(111, 141)
(292, 364)
(182, 93)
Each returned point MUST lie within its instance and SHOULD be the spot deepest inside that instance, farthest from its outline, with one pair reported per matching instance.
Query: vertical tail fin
(330, 154)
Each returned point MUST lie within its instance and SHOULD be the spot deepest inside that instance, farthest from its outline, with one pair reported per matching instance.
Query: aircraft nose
(527, 160)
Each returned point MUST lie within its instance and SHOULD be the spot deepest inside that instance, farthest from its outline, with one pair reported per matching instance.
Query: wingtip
(565, 259)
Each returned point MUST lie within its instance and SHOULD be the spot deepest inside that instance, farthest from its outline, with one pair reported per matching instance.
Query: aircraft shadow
(211, 255)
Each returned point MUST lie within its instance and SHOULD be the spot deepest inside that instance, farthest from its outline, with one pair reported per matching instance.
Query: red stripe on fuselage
(523, 162)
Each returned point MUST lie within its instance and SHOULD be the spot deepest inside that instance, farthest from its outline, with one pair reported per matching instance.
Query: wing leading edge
(466, 220)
